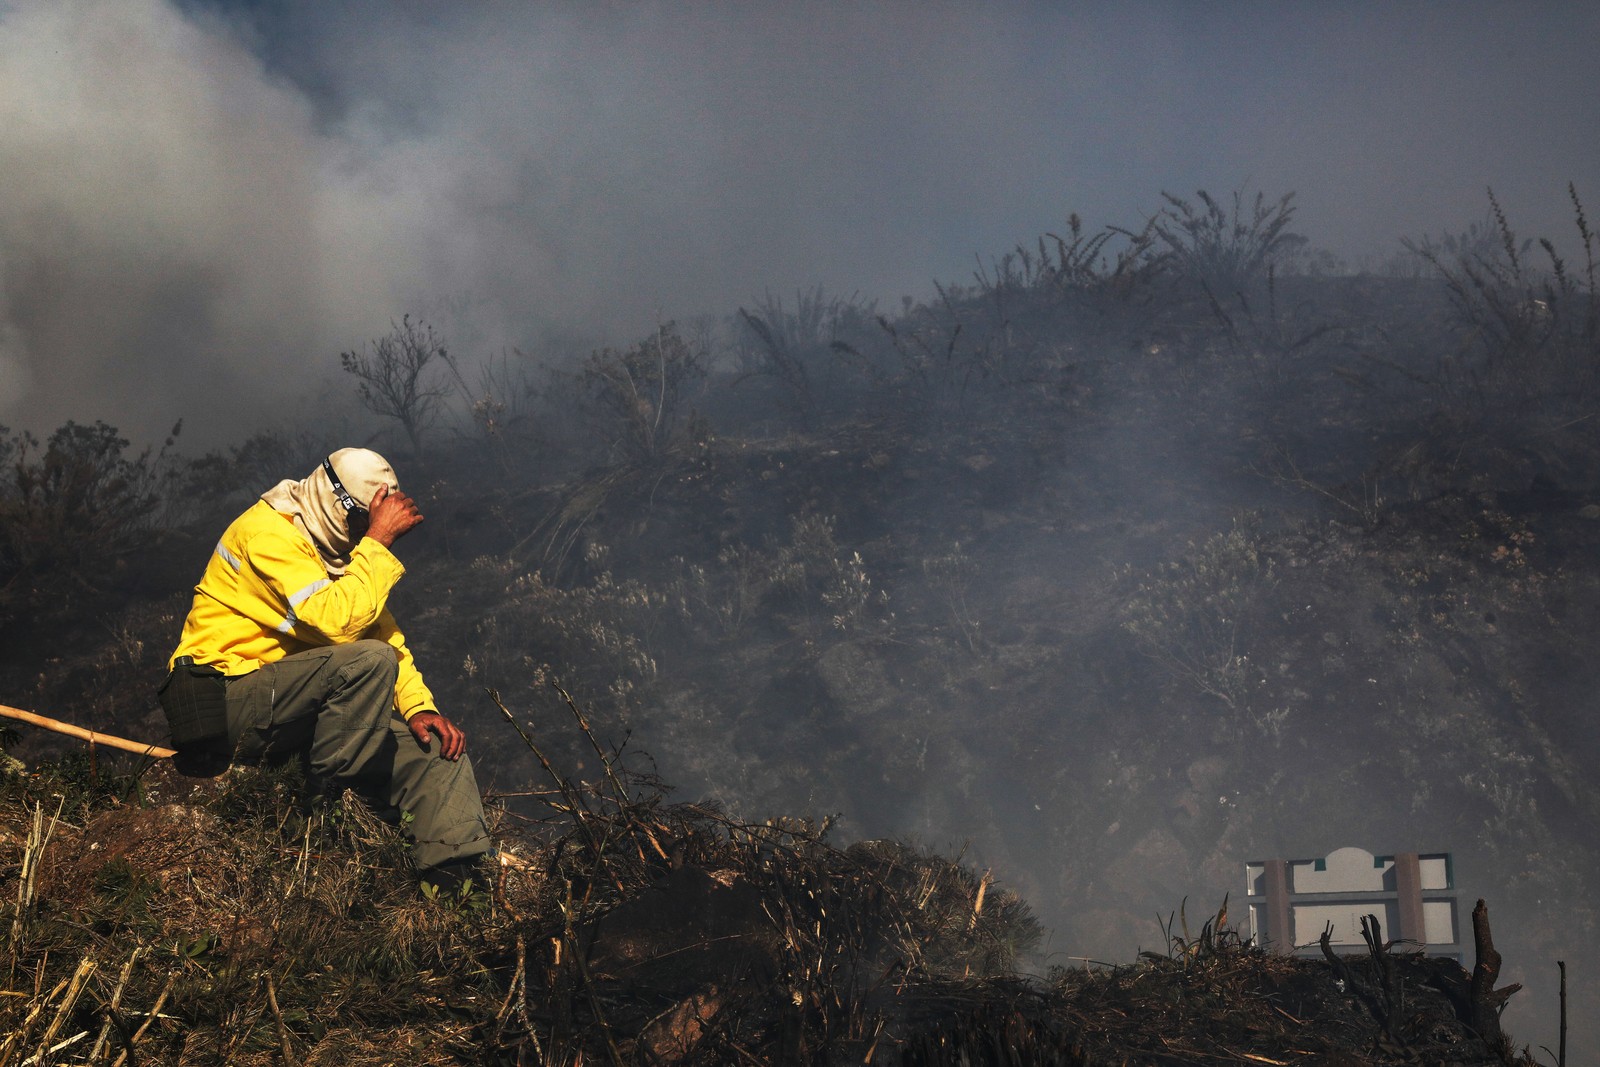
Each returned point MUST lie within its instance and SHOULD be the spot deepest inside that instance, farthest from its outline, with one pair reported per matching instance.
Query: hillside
(161, 921)
(1142, 556)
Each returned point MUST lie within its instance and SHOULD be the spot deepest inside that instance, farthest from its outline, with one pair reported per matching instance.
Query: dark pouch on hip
(195, 698)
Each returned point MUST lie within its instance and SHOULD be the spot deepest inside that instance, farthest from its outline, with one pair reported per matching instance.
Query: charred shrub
(953, 920)
(639, 393)
(809, 584)
(591, 636)
(1194, 616)
(502, 410)
(1535, 330)
(1078, 282)
(1226, 253)
(925, 371)
(216, 486)
(800, 349)
(73, 508)
(398, 377)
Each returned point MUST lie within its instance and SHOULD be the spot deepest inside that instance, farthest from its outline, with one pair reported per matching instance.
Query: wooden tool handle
(91, 736)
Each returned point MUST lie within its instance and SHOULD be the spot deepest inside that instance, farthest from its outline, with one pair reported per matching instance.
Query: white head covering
(316, 509)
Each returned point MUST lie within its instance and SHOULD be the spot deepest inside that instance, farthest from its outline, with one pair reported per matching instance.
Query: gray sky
(205, 202)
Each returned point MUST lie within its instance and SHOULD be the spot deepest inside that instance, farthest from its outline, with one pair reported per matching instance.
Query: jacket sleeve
(332, 611)
(411, 693)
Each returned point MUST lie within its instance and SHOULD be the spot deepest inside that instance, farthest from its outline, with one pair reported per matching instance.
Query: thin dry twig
(115, 1002)
(154, 1014)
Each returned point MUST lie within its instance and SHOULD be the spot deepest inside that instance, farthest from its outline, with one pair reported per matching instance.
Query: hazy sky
(204, 202)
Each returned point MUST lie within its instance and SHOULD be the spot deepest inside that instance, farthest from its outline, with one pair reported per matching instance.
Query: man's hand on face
(452, 742)
(392, 516)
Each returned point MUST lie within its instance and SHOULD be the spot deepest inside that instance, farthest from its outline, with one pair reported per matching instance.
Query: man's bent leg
(442, 796)
(337, 704)
(330, 702)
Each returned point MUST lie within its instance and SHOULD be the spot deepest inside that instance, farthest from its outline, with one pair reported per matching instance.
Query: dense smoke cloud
(210, 200)
(175, 235)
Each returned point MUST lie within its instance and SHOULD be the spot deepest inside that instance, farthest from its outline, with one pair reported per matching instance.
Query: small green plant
(197, 946)
(467, 897)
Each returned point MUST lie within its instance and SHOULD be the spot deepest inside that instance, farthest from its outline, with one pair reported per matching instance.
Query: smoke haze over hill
(212, 199)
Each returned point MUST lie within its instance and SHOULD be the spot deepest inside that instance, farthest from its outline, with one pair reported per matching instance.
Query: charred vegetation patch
(242, 921)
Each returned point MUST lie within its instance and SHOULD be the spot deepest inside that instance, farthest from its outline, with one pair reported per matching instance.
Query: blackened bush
(216, 486)
(641, 391)
(800, 349)
(397, 378)
(1227, 254)
(72, 508)
(1535, 331)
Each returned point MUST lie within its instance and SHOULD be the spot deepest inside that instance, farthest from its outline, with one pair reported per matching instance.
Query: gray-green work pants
(336, 705)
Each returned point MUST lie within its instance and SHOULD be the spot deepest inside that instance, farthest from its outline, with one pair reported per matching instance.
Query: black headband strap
(350, 503)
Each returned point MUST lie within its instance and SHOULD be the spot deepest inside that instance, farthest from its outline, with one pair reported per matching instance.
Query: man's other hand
(452, 742)
(392, 515)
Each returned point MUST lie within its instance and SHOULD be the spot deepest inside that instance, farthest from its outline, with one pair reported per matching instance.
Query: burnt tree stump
(1484, 1000)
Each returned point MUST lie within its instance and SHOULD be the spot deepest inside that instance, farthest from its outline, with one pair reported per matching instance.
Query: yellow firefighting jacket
(266, 594)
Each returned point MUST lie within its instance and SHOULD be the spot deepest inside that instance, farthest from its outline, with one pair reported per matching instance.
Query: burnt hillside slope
(1111, 572)
(164, 922)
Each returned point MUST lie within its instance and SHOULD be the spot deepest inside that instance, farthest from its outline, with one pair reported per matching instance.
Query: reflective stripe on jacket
(266, 594)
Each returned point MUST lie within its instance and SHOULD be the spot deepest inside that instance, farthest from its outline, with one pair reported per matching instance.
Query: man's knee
(358, 689)
(382, 650)
(368, 657)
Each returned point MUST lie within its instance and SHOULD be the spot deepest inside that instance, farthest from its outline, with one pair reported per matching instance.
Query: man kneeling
(289, 650)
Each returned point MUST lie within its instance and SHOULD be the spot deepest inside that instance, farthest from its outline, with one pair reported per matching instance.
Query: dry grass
(237, 922)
